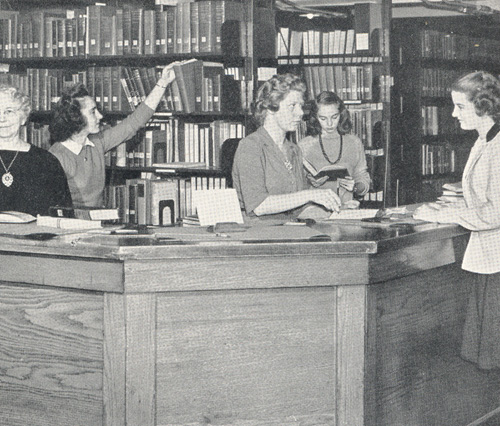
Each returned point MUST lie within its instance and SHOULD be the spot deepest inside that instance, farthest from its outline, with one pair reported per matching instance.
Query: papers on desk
(217, 205)
(357, 214)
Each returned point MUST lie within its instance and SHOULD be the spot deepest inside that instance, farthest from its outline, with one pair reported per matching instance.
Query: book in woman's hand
(333, 171)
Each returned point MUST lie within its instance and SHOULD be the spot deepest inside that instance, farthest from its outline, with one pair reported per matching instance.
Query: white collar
(75, 147)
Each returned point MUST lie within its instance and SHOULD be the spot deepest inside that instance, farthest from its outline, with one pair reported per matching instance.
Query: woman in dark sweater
(31, 179)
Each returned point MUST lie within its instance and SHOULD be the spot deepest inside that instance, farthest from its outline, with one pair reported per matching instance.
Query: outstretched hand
(167, 74)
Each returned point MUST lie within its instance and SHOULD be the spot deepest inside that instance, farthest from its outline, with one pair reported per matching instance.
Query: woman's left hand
(168, 74)
(347, 183)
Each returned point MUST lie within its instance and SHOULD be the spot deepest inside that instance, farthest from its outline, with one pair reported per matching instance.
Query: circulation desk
(215, 330)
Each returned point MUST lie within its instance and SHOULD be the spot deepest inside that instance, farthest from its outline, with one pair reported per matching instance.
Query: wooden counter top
(257, 258)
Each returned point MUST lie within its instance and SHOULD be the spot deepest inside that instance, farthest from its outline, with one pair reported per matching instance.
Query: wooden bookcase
(428, 54)
(348, 54)
(45, 49)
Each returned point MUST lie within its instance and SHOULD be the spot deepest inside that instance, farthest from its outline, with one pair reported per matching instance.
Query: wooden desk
(363, 330)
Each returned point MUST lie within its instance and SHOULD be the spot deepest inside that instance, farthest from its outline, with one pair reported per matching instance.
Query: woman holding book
(267, 171)
(329, 144)
(476, 99)
(80, 143)
(32, 180)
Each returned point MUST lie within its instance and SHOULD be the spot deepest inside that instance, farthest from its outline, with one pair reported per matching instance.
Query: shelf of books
(428, 56)
(346, 54)
(118, 52)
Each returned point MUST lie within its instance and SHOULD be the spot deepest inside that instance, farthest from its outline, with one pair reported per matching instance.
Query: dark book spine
(137, 31)
(93, 31)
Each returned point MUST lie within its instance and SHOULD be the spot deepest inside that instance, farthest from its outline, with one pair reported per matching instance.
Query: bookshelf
(428, 54)
(347, 54)
(115, 50)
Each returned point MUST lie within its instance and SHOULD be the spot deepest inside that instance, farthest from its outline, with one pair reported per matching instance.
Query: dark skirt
(481, 336)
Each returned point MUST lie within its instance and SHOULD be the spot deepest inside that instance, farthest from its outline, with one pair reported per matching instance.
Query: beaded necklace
(326, 155)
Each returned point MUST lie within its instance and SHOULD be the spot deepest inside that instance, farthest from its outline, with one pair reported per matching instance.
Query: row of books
(351, 83)
(438, 159)
(174, 143)
(199, 87)
(443, 45)
(189, 27)
(437, 82)
(438, 120)
(336, 46)
(148, 201)
(367, 124)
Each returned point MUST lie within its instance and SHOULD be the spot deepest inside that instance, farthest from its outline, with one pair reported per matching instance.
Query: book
(333, 171)
(67, 223)
(11, 216)
(85, 213)
(186, 73)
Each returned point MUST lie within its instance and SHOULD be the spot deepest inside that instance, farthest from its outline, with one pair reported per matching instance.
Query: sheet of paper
(217, 206)
(353, 214)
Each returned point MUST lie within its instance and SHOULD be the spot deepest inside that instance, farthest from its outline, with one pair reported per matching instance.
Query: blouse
(260, 170)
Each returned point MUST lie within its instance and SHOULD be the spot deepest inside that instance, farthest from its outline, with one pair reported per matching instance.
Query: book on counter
(85, 213)
(333, 171)
(67, 222)
(11, 216)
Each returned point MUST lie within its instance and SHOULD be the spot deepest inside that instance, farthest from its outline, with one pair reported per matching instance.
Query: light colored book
(11, 216)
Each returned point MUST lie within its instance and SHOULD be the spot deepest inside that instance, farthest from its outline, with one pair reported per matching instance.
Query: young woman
(267, 170)
(476, 97)
(31, 179)
(330, 143)
(80, 144)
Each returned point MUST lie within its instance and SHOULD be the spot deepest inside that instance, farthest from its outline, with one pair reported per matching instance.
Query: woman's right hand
(316, 182)
(326, 198)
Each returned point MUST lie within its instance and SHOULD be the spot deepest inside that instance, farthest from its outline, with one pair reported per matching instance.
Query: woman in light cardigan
(476, 97)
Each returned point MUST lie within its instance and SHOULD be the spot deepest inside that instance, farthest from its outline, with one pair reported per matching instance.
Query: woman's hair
(344, 125)
(67, 117)
(273, 91)
(483, 90)
(17, 96)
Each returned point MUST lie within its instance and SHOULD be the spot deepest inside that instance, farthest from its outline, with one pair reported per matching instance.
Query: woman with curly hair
(329, 142)
(476, 97)
(267, 170)
(32, 180)
(80, 144)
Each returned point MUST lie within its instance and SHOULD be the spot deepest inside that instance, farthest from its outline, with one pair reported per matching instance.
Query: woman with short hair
(80, 144)
(32, 180)
(267, 170)
(476, 99)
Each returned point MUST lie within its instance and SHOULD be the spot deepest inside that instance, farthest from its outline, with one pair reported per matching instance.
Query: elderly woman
(329, 142)
(32, 180)
(476, 97)
(267, 170)
(80, 144)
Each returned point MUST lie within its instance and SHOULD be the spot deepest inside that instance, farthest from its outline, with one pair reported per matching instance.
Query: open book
(333, 171)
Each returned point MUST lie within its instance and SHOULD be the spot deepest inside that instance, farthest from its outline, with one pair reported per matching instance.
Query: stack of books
(452, 193)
